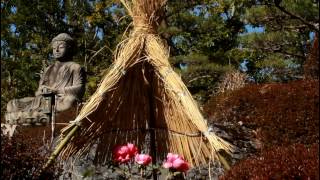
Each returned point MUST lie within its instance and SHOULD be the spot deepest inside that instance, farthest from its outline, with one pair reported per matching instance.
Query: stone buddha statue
(64, 79)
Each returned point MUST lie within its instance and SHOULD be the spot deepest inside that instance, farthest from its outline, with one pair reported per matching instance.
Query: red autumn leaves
(124, 153)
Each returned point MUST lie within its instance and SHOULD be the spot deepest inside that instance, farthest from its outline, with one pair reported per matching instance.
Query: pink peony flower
(174, 161)
(180, 165)
(122, 159)
(133, 150)
(172, 157)
(143, 159)
(121, 154)
(167, 165)
(124, 153)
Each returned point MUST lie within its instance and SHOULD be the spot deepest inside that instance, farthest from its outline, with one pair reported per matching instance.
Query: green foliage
(26, 34)
(206, 36)
(18, 84)
(198, 27)
(287, 26)
(202, 36)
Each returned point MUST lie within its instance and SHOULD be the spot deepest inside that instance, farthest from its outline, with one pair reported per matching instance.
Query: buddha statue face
(59, 50)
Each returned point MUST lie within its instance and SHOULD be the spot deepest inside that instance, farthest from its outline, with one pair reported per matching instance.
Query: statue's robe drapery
(68, 78)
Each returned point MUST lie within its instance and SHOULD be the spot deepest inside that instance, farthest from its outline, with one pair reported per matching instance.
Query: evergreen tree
(206, 37)
(27, 28)
(202, 36)
(200, 33)
(279, 52)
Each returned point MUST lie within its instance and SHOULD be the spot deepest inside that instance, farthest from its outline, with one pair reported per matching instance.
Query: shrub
(293, 162)
(279, 113)
(22, 158)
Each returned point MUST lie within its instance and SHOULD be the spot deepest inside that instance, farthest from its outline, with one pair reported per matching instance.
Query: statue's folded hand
(47, 89)
(53, 90)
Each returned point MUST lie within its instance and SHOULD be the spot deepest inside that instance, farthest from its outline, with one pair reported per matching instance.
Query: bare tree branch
(282, 51)
(199, 77)
(281, 8)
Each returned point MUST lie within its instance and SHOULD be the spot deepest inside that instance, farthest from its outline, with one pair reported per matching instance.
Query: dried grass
(231, 81)
(141, 93)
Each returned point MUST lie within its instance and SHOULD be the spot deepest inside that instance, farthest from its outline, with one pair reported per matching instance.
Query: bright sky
(251, 29)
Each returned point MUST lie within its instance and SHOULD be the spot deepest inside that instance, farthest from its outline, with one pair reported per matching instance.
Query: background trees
(289, 28)
(27, 28)
(267, 39)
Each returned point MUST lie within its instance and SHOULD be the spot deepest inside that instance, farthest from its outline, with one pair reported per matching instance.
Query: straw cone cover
(141, 94)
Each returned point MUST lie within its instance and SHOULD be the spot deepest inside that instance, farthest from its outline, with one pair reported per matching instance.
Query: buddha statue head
(62, 47)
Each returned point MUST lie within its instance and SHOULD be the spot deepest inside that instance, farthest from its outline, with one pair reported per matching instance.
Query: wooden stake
(151, 123)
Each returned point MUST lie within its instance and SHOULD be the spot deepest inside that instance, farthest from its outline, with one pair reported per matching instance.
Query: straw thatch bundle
(143, 101)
